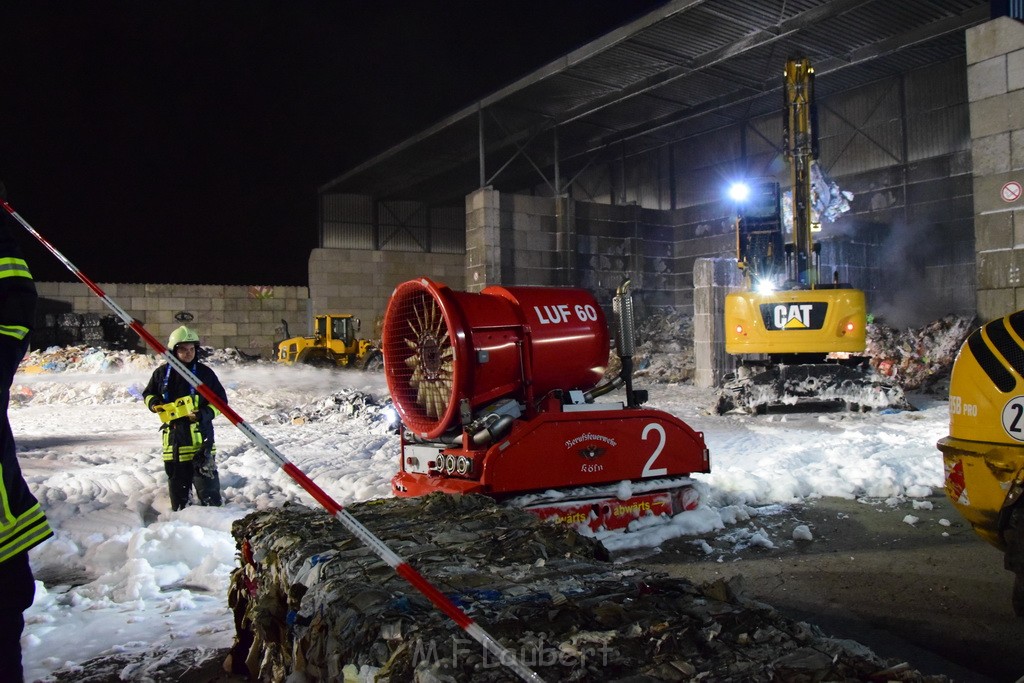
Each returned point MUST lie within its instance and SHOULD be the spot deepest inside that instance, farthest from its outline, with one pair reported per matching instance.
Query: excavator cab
(983, 456)
(759, 244)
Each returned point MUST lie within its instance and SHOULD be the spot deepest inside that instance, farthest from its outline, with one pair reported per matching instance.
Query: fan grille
(419, 358)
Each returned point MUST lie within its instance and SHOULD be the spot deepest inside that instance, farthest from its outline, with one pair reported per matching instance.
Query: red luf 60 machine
(497, 394)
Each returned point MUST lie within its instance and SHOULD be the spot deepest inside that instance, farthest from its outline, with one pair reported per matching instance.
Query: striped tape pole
(354, 526)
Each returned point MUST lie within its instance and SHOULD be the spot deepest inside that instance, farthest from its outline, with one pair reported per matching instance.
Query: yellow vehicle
(333, 344)
(798, 338)
(983, 456)
(782, 310)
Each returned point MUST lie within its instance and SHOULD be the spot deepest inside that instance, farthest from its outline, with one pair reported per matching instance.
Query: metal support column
(480, 143)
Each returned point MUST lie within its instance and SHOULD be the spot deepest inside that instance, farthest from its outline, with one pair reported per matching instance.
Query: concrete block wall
(484, 254)
(995, 86)
(658, 248)
(245, 318)
(610, 249)
(518, 240)
(908, 240)
(360, 281)
(528, 234)
(702, 231)
(713, 279)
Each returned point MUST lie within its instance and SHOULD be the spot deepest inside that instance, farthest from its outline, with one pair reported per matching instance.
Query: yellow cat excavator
(796, 334)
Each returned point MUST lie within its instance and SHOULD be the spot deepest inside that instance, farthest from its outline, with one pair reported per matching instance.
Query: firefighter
(188, 449)
(22, 522)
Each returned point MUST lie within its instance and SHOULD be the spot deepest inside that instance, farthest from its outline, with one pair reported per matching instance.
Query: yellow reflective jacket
(182, 435)
(22, 522)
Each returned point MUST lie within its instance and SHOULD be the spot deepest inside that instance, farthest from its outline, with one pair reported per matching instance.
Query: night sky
(183, 142)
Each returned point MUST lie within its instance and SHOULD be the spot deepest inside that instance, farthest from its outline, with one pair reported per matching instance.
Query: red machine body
(494, 392)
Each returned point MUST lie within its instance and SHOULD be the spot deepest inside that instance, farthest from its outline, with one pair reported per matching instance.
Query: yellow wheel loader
(983, 456)
(333, 344)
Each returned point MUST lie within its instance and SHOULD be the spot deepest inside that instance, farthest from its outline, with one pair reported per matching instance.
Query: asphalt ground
(932, 595)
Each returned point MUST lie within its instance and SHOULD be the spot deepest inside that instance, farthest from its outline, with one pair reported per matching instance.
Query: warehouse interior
(612, 160)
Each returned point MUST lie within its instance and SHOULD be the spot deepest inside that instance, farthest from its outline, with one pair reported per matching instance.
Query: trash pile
(86, 359)
(311, 602)
(919, 359)
(35, 385)
(340, 406)
(97, 359)
(664, 349)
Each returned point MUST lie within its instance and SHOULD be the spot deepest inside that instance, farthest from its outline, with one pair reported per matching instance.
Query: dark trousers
(181, 477)
(19, 588)
(19, 591)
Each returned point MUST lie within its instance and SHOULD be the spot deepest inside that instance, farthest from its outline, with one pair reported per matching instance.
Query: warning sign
(1011, 191)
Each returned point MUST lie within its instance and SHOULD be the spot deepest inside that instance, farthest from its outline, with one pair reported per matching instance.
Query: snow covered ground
(126, 575)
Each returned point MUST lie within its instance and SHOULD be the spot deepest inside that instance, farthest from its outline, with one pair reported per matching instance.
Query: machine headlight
(739, 192)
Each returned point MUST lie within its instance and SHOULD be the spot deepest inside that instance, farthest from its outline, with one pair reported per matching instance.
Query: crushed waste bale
(312, 603)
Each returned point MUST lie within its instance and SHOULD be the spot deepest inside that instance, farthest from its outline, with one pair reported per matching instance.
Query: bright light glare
(764, 287)
(739, 192)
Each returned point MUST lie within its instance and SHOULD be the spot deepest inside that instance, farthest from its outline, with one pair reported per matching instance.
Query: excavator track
(820, 386)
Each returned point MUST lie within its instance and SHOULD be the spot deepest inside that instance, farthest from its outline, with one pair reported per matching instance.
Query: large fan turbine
(431, 359)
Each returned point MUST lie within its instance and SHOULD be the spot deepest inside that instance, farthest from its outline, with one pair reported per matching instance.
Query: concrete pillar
(483, 239)
(713, 278)
(566, 243)
(995, 91)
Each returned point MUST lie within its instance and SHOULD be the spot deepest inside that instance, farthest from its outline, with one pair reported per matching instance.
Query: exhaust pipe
(625, 341)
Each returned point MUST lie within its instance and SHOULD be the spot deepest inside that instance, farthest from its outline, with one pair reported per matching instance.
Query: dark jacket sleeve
(151, 394)
(210, 379)
(17, 289)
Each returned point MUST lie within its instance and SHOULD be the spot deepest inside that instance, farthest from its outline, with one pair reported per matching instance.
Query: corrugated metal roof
(689, 67)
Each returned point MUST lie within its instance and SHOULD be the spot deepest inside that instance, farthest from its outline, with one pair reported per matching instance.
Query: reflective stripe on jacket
(165, 386)
(20, 529)
(17, 297)
(187, 434)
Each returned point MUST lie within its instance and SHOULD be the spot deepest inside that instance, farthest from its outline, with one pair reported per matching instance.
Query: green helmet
(182, 335)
